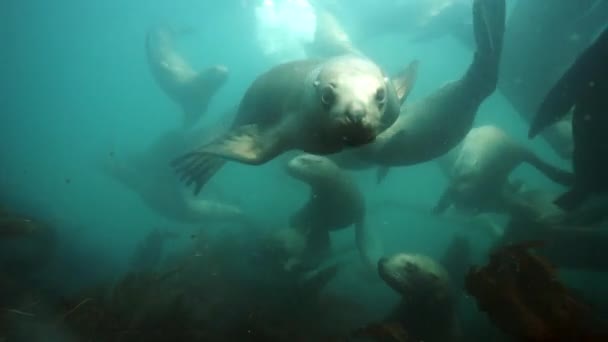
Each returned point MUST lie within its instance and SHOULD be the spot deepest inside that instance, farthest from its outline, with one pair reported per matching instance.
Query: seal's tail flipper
(571, 199)
(489, 28)
(330, 38)
(404, 81)
(198, 92)
(554, 173)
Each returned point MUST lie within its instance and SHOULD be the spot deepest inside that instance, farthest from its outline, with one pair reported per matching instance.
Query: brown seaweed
(521, 294)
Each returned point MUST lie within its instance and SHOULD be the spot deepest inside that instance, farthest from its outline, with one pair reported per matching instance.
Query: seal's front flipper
(249, 144)
(197, 168)
(369, 245)
(404, 81)
(571, 199)
(554, 173)
(198, 92)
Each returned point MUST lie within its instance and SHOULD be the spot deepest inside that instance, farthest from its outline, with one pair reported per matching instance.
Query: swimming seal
(317, 106)
(429, 128)
(479, 170)
(583, 86)
(148, 175)
(188, 88)
(427, 304)
(335, 202)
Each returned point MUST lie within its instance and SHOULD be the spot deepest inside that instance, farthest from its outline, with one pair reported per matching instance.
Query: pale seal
(479, 170)
(335, 202)
(427, 305)
(190, 89)
(318, 106)
(429, 128)
(149, 176)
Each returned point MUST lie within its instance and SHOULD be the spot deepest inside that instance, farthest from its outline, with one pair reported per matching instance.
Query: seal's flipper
(381, 173)
(369, 246)
(554, 173)
(445, 201)
(575, 82)
(404, 81)
(198, 92)
(489, 26)
(591, 214)
(197, 168)
(571, 199)
(247, 144)
(330, 39)
(313, 282)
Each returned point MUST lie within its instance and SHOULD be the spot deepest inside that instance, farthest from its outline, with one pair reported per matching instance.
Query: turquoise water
(77, 90)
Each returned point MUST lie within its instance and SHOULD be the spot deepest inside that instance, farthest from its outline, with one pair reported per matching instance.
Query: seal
(330, 38)
(427, 305)
(148, 175)
(583, 86)
(429, 128)
(190, 89)
(480, 168)
(317, 106)
(335, 203)
(538, 27)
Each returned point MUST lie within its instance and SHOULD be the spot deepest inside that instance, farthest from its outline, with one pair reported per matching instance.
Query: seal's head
(307, 167)
(355, 93)
(416, 277)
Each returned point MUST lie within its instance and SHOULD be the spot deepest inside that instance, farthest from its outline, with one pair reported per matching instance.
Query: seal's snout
(355, 113)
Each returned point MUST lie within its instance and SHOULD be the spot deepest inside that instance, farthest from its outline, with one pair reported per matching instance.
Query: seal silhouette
(190, 89)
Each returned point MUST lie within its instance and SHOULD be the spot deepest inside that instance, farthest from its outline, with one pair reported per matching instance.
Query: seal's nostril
(355, 114)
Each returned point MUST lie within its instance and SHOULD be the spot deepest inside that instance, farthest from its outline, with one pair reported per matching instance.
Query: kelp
(520, 292)
(137, 308)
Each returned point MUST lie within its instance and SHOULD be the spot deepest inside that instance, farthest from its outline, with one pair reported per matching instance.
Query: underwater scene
(304, 170)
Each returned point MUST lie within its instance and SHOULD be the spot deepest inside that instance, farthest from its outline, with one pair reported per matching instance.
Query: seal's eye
(328, 96)
(380, 95)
